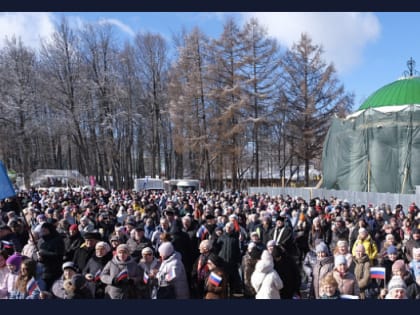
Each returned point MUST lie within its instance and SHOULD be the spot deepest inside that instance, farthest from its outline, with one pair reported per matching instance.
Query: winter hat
(78, 281)
(271, 243)
(391, 250)
(416, 251)
(342, 243)
(15, 260)
(216, 260)
(122, 247)
(340, 260)
(71, 265)
(166, 249)
(398, 265)
(321, 248)
(147, 250)
(73, 227)
(104, 245)
(396, 282)
(363, 231)
(316, 220)
(250, 246)
(266, 256)
(360, 247)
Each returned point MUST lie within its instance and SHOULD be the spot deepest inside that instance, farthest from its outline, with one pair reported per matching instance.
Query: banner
(6, 187)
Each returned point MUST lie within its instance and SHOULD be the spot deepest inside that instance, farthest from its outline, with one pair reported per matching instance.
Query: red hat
(73, 227)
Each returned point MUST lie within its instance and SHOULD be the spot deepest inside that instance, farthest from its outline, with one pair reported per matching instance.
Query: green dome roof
(401, 92)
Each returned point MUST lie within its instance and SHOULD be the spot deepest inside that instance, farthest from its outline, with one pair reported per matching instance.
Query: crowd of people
(123, 244)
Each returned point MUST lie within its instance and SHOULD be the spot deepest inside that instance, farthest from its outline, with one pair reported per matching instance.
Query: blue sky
(369, 50)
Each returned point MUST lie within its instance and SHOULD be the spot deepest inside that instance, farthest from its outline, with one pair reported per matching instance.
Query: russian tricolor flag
(122, 275)
(215, 279)
(97, 275)
(377, 272)
(171, 274)
(31, 286)
(145, 277)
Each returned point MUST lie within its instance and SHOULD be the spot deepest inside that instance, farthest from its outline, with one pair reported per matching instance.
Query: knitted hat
(342, 243)
(321, 248)
(166, 249)
(363, 231)
(360, 248)
(147, 250)
(104, 245)
(122, 247)
(398, 265)
(73, 227)
(71, 265)
(340, 260)
(391, 250)
(396, 282)
(15, 260)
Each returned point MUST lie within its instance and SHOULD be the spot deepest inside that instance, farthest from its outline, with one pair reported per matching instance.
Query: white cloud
(124, 27)
(30, 27)
(342, 35)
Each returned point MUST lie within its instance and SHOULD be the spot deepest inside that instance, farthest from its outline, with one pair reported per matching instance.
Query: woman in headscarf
(94, 266)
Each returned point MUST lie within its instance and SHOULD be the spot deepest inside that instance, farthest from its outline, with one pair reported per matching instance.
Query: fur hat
(340, 260)
(15, 260)
(399, 265)
(166, 249)
(321, 248)
(215, 259)
(93, 235)
(396, 282)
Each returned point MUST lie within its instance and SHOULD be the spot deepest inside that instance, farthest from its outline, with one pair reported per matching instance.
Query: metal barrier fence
(356, 197)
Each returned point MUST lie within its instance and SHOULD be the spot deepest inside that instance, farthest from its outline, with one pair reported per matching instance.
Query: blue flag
(6, 187)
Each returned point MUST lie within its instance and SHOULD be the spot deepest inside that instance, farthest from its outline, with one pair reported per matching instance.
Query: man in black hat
(87, 249)
(283, 236)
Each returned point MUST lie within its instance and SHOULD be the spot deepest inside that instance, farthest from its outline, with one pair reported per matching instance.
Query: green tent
(376, 148)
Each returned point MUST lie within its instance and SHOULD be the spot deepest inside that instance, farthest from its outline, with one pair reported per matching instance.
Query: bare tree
(189, 95)
(18, 104)
(151, 53)
(230, 102)
(312, 95)
(262, 63)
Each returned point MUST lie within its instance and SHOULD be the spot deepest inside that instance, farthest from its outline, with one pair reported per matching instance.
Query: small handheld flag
(6, 187)
(171, 274)
(145, 277)
(97, 276)
(215, 279)
(31, 286)
(377, 272)
(122, 275)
